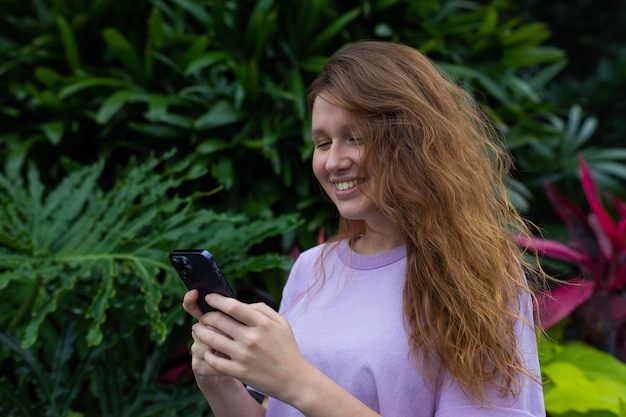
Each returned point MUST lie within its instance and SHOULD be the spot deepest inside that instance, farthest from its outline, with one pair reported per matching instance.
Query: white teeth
(341, 186)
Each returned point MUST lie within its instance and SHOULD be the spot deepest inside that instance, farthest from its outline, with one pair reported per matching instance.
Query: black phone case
(198, 270)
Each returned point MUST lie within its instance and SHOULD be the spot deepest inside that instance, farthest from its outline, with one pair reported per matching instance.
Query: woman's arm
(230, 398)
(320, 396)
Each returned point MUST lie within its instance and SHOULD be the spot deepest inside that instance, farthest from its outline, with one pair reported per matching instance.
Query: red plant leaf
(550, 248)
(561, 301)
(605, 243)
(574, 219)
(589, 185)
(595, 202)
(582, 235)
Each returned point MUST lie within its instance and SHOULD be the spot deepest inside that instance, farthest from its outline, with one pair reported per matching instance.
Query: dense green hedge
(130, 128)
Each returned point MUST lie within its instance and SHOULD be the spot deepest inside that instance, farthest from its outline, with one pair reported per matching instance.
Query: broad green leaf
(525, 57)
(47, 76)
(593, 362)
(156, 131)
(89, 82)
(572, 390)
(524, 89)
(53, 131)
(547, 74)
(69, 44)
(573, 121)
(212, 145)
(195, 50)
(259, 30)
(125, 53)
(156, 28)
(331, 30)
(296, 86)
(224, 171)
(221, 113)
(526, 36)
(490, 22)
(48, 99)
(176, 120)
(115, 102)
(496, 89)
(157, 106)
(206, 60)
(197, 11)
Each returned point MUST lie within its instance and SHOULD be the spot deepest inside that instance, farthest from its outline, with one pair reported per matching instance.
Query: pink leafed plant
(596, 300)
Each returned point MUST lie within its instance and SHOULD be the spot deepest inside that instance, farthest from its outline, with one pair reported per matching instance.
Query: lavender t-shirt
(348, 323)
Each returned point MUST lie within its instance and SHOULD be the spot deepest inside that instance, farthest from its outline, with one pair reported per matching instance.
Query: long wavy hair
(440, 171)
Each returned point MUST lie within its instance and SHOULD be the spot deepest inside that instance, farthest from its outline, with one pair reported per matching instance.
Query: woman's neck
(373, 242)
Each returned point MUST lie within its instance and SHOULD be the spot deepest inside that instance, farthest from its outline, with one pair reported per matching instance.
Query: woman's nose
(338, 158)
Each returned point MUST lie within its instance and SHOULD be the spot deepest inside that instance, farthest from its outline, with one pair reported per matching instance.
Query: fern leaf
(99, 305)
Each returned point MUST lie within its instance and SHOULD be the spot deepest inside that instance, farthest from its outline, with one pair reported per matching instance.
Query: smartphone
(199, 271)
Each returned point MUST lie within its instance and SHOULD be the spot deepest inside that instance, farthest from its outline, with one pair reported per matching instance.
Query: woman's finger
(246, 314)
(215, 340)
(190, 305)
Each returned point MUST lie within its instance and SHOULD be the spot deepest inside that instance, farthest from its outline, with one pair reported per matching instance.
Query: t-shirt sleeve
(452, 401)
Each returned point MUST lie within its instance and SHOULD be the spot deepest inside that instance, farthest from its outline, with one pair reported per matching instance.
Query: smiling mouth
(346, 185)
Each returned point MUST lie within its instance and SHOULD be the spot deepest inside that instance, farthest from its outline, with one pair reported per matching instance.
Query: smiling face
(336, 160)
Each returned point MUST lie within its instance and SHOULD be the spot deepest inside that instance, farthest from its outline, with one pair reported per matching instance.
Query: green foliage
(89, 297)
(225, 82)
(557, 152)
(581, 380)
(95, 245)
(596, 73)
(84, 242)
(64, 378)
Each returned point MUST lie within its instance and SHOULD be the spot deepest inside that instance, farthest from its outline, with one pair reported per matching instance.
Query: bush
(97, 95)
(91, 305)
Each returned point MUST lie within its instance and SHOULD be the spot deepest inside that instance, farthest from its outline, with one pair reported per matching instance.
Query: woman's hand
(206, 377)
(252, 343)
(225, 394)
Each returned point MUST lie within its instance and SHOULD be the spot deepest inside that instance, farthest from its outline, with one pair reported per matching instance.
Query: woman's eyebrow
(349, 129)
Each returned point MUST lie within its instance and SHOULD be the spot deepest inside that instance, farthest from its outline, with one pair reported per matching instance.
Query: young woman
(419, 306)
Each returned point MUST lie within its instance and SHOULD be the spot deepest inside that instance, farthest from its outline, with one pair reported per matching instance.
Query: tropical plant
(581, 380)
(64, 378)
(596, 250)
(555, 153)
(597, 58)
(224, 82)
(90, 304)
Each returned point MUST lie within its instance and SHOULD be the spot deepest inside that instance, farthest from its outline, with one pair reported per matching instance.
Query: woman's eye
(322, 145)
(355, 140)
